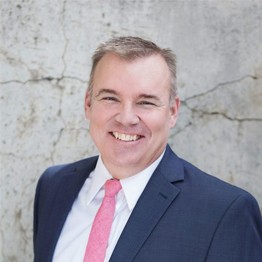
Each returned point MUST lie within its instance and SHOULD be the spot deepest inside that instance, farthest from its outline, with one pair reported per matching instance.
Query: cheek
(97, 113)
(156, 123)
(97, 122)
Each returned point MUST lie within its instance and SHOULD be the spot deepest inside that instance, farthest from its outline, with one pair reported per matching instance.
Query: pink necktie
(99, 234)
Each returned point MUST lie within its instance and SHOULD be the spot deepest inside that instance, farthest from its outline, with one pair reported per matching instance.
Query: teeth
(125, 137)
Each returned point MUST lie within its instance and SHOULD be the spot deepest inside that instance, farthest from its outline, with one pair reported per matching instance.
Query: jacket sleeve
(238, 236)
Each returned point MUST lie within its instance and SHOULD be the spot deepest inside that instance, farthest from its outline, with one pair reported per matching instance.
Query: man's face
(129, 112)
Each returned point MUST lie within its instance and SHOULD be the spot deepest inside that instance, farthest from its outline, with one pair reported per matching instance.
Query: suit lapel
(151, 206)
(70, 184)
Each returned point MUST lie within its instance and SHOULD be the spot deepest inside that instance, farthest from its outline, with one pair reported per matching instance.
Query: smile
(125, 137)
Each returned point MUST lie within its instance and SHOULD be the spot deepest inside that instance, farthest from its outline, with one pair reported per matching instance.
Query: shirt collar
(98, 179)
(132, 186)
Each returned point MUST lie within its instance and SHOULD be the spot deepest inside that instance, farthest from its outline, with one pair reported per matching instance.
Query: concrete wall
(45, 54)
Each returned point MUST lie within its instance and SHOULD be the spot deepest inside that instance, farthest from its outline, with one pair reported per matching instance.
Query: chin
(127, 163)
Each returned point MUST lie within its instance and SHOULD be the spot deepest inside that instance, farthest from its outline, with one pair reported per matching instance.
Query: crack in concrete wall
(222, 85)
(202, 113)
(46, 78)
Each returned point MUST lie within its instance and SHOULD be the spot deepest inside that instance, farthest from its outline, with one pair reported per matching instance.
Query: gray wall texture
(45, 53)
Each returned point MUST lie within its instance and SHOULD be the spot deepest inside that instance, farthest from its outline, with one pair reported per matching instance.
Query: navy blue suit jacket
(183, 215)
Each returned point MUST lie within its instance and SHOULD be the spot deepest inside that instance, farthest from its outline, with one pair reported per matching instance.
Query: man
(165, 209)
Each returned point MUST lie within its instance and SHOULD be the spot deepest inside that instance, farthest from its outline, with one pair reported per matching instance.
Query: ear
(88, 104)
(174, 108)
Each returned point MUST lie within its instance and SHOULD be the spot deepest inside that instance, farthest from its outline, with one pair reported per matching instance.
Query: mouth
(126, 137)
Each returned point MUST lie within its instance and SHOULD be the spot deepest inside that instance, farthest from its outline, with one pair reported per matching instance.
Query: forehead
(155, 60)
(149, 72)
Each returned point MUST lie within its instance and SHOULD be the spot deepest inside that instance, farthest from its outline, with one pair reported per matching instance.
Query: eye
(110, 98)
(146, 103)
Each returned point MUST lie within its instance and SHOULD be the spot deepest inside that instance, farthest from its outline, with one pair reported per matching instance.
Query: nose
(127, 116)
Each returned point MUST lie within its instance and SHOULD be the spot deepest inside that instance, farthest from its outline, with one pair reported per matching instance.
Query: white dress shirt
(72, 242)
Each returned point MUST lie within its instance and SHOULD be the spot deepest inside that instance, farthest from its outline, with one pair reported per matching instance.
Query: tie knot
(112, 187)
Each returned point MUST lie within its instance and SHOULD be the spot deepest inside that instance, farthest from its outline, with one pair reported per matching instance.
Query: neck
(122, 172)
(125, 171)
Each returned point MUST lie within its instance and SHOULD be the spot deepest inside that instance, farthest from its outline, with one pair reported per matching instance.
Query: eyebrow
(105, 90)
(147, 96)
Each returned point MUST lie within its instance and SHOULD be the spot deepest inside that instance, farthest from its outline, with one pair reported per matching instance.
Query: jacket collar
(158, 195)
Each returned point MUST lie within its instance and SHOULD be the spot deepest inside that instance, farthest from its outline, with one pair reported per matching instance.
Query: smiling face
(129, 112)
